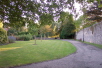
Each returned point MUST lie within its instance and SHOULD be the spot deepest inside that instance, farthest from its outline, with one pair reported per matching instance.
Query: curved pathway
(87, 56)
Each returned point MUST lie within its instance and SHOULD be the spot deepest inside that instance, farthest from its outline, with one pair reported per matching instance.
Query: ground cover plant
(25, 52)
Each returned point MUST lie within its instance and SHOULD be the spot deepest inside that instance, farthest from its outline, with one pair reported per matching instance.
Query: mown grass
(96, 45)
(25, 52)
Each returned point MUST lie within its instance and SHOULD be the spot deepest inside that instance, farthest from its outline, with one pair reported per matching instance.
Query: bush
(11, 39)
(24, 37)
(67, 31)
(23, 33)
(3, 36)
(11, 31)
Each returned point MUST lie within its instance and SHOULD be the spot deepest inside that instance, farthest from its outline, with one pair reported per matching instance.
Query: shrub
(11, 31)
(24, 37)
(3, 36)
(23, 33)
(67, 31)
(11, 39)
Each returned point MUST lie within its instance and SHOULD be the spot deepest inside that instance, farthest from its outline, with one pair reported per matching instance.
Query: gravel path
(87, 56)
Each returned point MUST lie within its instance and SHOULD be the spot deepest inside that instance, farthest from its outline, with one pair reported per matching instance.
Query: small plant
(11, 39)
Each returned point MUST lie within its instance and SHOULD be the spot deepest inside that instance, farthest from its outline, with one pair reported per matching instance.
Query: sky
(78, 10)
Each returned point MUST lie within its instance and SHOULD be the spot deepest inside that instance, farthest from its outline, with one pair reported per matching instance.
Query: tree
(95, 11)
(67, 31)
(14, 11)
(67, 25)
(55, 27)
(46, 19)
(44, 30)
(33, 29)
(65, 18)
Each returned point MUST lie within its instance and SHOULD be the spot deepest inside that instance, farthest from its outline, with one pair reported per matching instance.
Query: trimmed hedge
(3, 36)
(24, 37)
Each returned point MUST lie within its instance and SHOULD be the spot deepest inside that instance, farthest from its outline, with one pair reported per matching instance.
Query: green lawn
(96, 45)
(24, 52)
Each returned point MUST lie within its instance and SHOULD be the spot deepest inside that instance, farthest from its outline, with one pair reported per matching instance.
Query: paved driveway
(87, 56)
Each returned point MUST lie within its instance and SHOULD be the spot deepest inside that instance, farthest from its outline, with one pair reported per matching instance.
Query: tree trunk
(35, 39)
(41, 37)
(47, 34)
(44, 36)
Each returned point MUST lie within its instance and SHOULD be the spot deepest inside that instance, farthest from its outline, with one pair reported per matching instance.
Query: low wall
(91, 34)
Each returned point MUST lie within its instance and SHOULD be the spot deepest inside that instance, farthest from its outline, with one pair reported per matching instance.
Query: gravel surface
(87, 56)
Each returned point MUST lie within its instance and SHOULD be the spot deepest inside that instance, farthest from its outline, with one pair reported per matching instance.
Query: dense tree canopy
(68, 31)
(94, 13)
(14, 11)
(19, 12)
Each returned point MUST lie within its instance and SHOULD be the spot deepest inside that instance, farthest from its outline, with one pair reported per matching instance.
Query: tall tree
(65, 17)
(15, 10)
(68, 31)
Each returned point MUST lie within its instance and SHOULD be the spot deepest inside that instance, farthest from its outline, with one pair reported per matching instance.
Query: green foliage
(83, 23)
(11, 31)
(33, 29)
(79, 22)
(24, 37)
(46, 19)
(14, 9)
(67, 26)
(3, 36)
(45, 29)
(23, 33)
(63, 16)
(67, 31)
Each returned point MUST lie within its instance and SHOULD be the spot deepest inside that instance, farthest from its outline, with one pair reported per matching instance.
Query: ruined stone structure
(92, 34)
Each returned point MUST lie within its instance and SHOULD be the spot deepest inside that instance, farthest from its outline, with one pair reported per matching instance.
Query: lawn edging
(93, 44)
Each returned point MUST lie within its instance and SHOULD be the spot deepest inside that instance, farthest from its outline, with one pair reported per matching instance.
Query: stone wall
(91, 34)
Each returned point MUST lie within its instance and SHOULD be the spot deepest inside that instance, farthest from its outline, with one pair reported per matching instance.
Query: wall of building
(92, 34)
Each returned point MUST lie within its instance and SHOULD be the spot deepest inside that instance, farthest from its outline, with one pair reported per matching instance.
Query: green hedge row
(24, 37)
